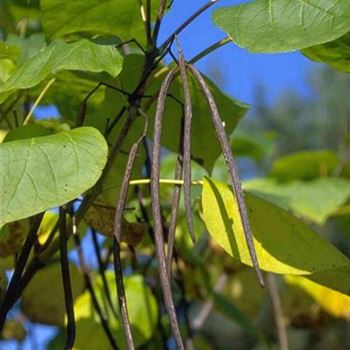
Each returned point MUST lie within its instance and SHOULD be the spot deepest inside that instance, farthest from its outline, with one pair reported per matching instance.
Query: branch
(14, 289)
(161, 10)
(67, 287)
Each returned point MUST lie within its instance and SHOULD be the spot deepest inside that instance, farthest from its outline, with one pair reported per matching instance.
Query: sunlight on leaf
(284, 244)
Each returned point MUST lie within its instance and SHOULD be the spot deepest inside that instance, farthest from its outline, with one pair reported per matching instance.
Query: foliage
(85, 181)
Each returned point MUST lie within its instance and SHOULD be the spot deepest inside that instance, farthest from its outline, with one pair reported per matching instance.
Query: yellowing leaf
(283, 243)
(335, 303)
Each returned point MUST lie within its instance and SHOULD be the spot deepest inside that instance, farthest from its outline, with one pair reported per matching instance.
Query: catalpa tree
(114, 227)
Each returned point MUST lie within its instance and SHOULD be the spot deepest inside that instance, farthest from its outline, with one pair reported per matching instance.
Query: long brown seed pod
(232, 168)
(156, 211)
(175, 200)
(118, 269)
(186, 143)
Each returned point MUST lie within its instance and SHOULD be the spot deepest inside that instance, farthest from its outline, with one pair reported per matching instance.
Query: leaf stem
(188, 21)
(210, 49)
(38, 100)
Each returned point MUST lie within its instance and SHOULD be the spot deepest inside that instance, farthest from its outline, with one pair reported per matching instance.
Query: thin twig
(129, 42)
(232, 169)
(67, 286)
(186, 305)
(115, 121)
(83, 105)
(117, 236)
(277, 311)
(186, 143)
(185, 24)
(148, 21)
(207, 308)
(161, 10)
(14, 290)
(158, 226)
(210, 49)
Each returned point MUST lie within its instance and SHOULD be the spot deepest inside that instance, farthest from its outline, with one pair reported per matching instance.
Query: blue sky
(241, 71)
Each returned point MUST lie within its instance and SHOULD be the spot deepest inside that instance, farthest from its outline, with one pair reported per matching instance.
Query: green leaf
(28, 47)
(12, 237)
(314, 200)
(304, 165)
(28, 131)
(118, 17)
(335, 53)
(7, 67)
(284, 25)
(44, 305)
(8, 50)
(142, 307)
(284, 244)
(43, 172)
(82, 55)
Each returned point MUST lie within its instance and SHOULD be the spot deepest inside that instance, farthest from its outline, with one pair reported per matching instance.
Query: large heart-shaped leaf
(82, 55)
(284, 25)
(335, 53)
(283, 243)
(44, 172)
